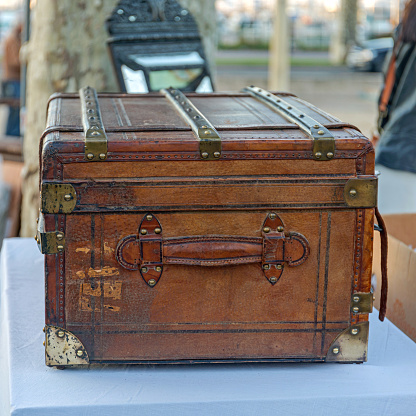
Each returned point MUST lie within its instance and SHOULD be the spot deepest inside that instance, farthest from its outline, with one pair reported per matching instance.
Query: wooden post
(279, 59)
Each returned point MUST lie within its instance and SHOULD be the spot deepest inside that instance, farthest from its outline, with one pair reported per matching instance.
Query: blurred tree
(67, 50)
(345, 34)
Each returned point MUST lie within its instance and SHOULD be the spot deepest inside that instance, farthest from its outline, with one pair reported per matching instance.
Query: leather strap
(384, 252)
(148, 252)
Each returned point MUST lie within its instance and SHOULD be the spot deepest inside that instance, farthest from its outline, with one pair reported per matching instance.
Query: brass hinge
(94, 131)
(63, 348)
(209, 139)
(361, 192)
(362, 302)
(57, 198)
(51, 242)
(323, 140)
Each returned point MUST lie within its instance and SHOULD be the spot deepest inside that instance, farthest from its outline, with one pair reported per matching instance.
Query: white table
(385, 385)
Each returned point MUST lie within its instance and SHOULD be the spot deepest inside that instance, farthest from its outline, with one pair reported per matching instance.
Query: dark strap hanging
(384, 251)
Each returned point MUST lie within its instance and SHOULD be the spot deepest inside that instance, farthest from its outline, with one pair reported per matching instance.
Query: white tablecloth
(384, 386)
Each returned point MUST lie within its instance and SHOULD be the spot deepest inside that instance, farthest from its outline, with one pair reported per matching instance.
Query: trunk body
(169, 257)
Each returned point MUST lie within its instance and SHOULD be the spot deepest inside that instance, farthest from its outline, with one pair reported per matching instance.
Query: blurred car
(370, 55)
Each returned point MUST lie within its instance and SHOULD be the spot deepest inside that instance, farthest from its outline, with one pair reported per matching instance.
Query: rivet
(279, 267)
(183, 102)
(60, 334)
(132, 18)
(273, 279)
(204, 155)
(289, 107)
(158, 230)
(151, 282)
(143, 231)
(329, 155)
(196, 117)
(60, 248)
(272, 216)
(59, 236)
(102, 156)
(207, 132)
(43, 343)
(353, 192)
(95, 133)
(316, 126)
(318, 155)
(356, 299)
(44, 329)
(120, 11)
(143, 269)
(355, 309)
(158, 268)
(354, 331)
(204, 127)
(266, 267)
(149, 217)
(321, 132)
(80, 353)
(266, 229)
(36, 238)
(280, 228)
(90, 156)
(217, 154)
(335, 350)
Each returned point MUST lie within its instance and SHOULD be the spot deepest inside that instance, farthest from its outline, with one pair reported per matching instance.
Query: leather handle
(148, 252)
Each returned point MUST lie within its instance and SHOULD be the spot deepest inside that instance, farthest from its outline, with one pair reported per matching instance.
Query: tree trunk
(67, 50)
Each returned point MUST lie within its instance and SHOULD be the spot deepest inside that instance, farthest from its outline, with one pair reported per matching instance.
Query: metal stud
(321, 132)
(90, 156)
(204, 155)
(43, 343)
(60, 248)
(59, 236)
(207, 132)
(217, 154)
(67, 197)
(266, 229)
(158, 230)
(335, 350)
(272, 216)
(158, 269)
(143, 231)
(280, 228)
(144, 269)
(266, 267)
(80, 353)
(102, 156)
(279, 267)
(60, 334)
(149, 217)
(353, 192)
(355, 331)
(151, 282)
(356, 309)
(329, 155)
(356, 299)
(95, 133)
(132, 18)
(318, 155)
(273, 279)
(316, 126)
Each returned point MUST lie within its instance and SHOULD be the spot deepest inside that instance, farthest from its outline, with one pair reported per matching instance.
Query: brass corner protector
(362, 302)
(351, 345)
(63, 348)
(324, 148)
(361, 192)
(57, 198)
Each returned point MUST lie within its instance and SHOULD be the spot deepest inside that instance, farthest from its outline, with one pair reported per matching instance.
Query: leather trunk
(207, 228)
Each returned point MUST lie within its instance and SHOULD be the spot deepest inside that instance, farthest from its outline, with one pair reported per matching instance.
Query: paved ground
(350, 96)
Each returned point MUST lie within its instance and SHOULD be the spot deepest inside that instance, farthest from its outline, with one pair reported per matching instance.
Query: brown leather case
(206, 228)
